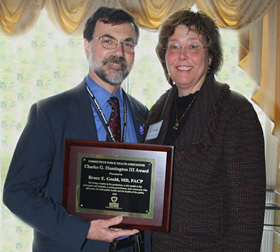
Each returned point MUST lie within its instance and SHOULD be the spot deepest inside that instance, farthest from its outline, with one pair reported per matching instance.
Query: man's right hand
(101, 230)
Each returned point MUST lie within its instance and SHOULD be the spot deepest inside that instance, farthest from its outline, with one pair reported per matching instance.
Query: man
(33, 188)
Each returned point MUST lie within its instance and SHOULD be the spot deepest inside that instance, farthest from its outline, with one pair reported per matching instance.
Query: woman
(218, 192)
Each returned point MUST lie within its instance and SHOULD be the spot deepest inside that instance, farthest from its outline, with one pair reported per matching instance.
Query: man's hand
(100, 230)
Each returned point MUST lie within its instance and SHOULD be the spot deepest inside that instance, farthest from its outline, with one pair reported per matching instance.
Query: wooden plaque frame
(121, 158)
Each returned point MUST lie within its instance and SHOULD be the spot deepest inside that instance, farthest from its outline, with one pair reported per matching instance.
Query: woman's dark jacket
(218, 192)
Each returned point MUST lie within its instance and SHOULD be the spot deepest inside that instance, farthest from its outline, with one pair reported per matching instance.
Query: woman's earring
(209, 66)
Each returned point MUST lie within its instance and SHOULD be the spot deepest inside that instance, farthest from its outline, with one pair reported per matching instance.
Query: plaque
(105, 179)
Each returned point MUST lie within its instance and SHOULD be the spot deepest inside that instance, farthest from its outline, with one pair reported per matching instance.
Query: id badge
(153, 130)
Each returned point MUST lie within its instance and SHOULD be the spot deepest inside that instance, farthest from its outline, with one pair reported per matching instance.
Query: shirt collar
(101, 94)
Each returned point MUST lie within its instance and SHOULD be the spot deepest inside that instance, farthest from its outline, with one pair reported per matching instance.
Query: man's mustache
(117, 60)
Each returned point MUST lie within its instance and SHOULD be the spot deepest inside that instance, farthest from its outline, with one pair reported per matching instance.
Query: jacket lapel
(195, 129)
(165, 115)
(82, 124)
(204, 116)
(137, 117)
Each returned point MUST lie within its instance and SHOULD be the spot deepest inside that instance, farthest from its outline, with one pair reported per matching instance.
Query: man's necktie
(115, 121)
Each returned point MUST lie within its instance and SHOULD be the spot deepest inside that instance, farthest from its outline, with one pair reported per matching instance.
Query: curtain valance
(18, 16)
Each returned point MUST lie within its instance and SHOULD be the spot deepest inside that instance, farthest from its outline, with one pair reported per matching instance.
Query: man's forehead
(124, 30)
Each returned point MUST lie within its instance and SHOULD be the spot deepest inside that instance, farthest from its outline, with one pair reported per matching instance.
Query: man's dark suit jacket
(34, 184)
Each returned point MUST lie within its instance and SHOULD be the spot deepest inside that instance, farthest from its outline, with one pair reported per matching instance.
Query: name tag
(154, 130)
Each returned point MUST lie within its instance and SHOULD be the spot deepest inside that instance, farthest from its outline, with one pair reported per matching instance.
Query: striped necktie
(115, 121)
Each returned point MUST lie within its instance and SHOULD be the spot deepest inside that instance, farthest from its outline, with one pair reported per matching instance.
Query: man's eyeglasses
(111, 44)
(192, 48)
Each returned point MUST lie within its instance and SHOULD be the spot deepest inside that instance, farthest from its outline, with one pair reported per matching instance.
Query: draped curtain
(256, 21)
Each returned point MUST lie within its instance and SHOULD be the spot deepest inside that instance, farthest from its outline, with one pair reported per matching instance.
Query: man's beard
(110, 75)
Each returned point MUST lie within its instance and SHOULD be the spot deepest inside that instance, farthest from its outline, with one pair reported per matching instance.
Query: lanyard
(103, 118)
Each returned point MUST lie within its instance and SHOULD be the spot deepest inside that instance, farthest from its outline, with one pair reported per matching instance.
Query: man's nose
(119, 49)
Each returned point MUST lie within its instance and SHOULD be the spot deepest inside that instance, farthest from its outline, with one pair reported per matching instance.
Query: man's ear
(86, 47)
